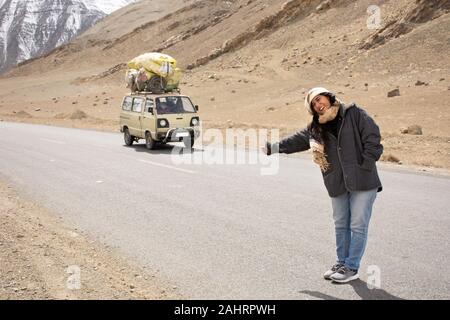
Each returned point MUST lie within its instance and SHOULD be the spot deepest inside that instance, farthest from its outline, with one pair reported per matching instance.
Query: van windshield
(174, 104)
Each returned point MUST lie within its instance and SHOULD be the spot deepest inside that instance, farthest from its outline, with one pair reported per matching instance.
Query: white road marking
(53, 141)
(99, 181)
(167, 166)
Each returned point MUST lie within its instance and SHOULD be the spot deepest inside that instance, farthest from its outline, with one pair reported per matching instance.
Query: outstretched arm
(297, 142)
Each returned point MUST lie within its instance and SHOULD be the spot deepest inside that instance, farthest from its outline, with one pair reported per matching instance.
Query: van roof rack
(159, 92)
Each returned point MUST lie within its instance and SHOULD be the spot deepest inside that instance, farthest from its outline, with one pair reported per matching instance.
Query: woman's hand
(266, 149)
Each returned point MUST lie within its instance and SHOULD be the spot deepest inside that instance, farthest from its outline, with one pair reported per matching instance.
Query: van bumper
(178, 134)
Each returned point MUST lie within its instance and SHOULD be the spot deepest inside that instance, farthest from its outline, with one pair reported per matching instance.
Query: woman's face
(321, 104)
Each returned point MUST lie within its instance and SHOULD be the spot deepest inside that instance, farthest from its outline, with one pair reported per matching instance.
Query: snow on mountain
(107, 6)
(30, 28)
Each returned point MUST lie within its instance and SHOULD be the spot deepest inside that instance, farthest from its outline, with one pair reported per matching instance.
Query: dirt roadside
(41, 258)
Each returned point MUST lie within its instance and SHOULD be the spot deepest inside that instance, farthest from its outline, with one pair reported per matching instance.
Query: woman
(346, 144)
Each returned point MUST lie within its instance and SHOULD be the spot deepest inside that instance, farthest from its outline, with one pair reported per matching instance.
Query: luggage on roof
(153, 72)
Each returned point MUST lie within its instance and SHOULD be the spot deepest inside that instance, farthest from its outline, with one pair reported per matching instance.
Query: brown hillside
(248, 63)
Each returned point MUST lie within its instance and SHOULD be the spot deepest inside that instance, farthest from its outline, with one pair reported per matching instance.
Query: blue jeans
(351, 213)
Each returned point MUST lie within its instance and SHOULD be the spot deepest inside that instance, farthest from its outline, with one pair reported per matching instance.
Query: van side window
(149, 106)
(127, 103)
(137, 104)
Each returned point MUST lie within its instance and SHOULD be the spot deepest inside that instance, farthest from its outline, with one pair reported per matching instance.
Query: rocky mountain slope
(29, 29)
(248, 64)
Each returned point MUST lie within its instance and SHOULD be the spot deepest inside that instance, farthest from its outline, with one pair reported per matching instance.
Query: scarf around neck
(316, 143)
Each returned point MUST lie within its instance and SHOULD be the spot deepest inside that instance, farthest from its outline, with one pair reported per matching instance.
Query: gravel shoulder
(42, 258)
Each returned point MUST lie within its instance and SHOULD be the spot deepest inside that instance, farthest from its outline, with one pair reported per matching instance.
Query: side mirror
(150, 110)
(196, 108)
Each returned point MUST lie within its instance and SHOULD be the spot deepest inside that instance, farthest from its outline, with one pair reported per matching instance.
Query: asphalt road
(222, 231)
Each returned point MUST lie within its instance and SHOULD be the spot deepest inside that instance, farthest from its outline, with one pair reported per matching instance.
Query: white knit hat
(314, 92)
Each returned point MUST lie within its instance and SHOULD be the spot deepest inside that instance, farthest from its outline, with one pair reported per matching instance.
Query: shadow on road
(361, 290)
(164, 149)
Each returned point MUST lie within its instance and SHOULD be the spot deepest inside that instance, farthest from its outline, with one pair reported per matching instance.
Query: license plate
(182, 134)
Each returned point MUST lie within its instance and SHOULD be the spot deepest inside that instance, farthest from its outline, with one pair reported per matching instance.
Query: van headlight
(163, 123)
(195, 122)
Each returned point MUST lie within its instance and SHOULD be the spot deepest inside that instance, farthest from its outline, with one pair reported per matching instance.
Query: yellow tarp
(160, 64)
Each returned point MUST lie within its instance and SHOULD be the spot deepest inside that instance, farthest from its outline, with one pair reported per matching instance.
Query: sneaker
(327, 275)
(344, 274)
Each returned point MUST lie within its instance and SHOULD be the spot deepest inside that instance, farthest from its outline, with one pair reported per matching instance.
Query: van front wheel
(188, 143)
(127, 137)
(149, 142)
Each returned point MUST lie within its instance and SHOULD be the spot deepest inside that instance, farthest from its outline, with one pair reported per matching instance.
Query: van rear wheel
(127, 137)
(149, 142)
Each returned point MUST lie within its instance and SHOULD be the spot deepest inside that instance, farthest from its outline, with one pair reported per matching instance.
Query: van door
(126, 115)
(135, 126)
(148, 120)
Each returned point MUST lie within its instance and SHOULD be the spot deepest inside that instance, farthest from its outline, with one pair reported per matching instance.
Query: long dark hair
(316, 130)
